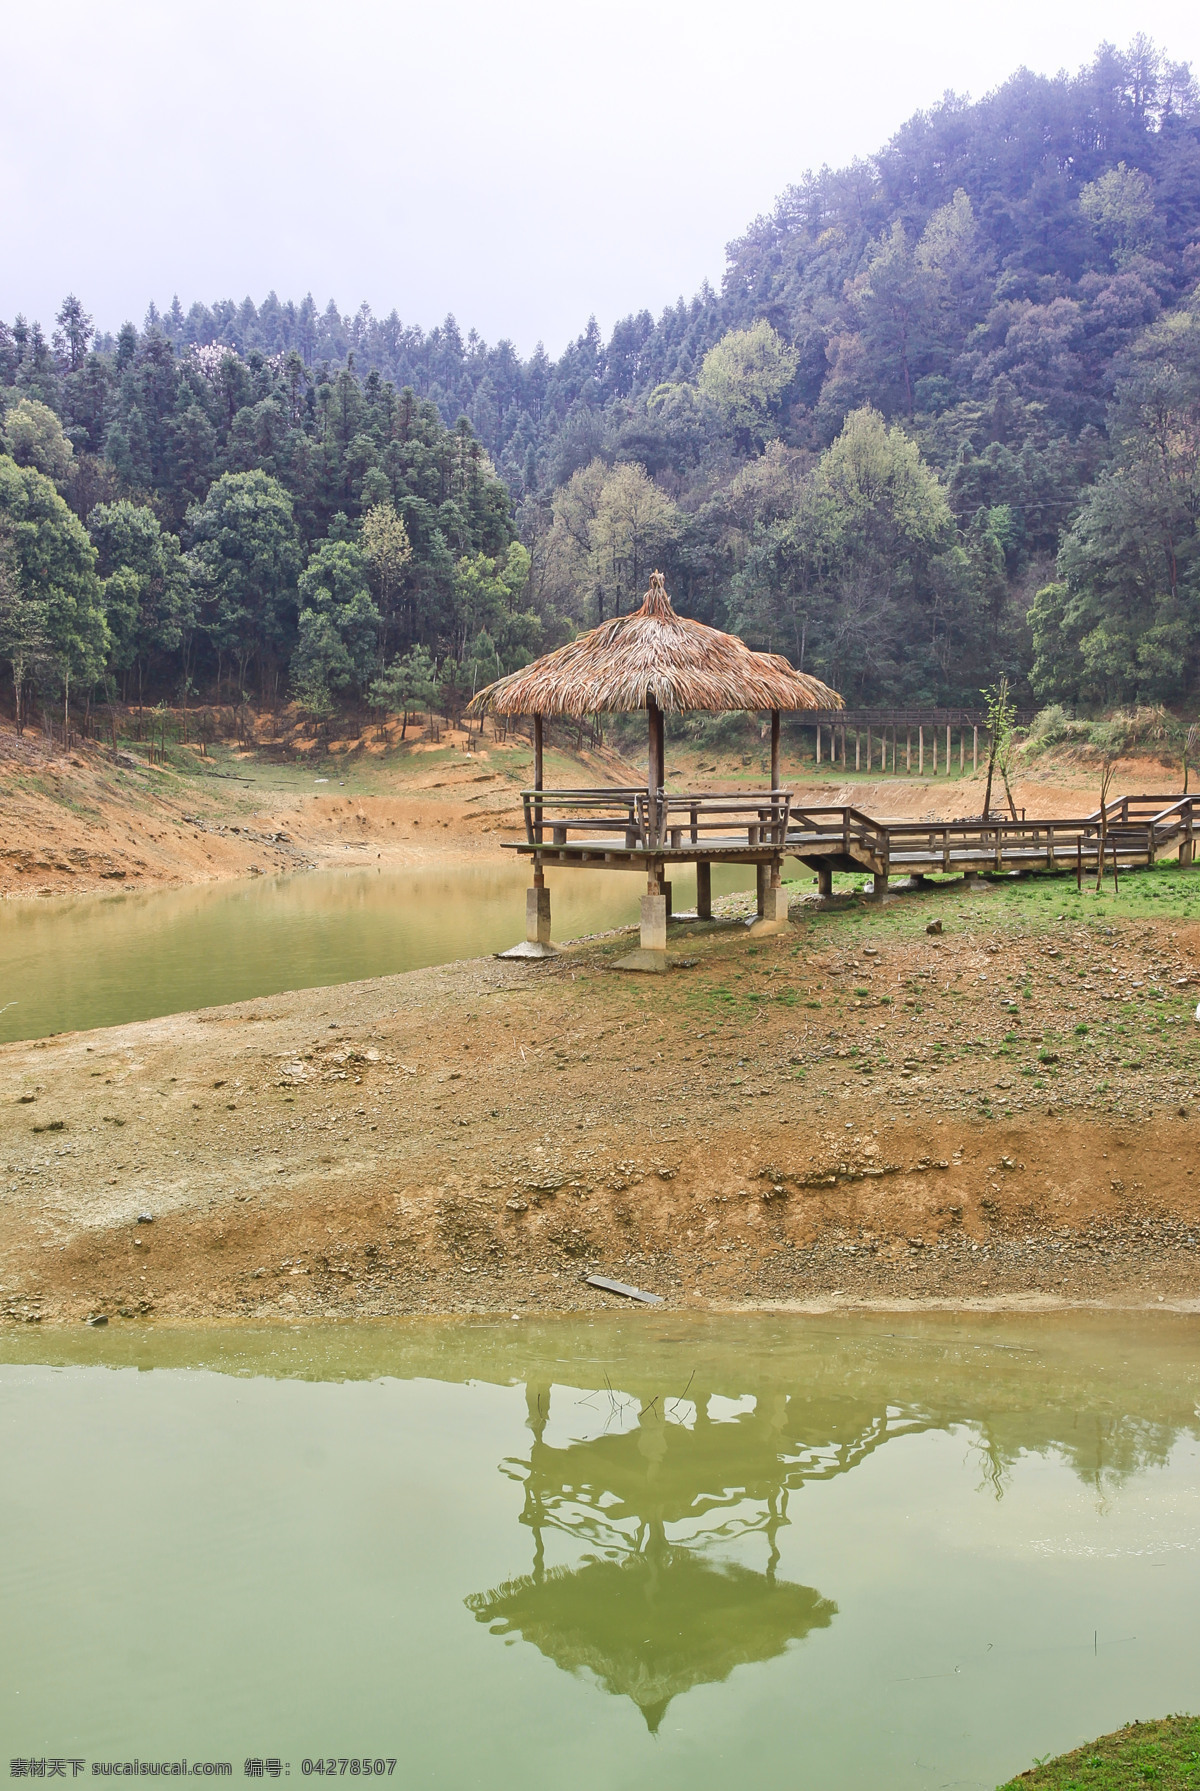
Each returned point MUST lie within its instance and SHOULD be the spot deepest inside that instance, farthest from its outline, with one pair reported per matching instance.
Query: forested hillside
(942, 421)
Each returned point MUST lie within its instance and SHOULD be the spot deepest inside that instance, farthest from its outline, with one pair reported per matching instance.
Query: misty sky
(522, 165)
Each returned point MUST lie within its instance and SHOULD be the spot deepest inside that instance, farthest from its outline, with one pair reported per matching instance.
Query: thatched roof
(653, 653)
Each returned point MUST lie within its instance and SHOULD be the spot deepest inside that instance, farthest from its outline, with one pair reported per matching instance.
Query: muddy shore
(856, 1112)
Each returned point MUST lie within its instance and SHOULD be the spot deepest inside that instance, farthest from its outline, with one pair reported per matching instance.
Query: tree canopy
(936, 426)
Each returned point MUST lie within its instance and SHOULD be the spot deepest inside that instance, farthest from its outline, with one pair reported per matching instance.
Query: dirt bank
(856, 1111)
(97, 818)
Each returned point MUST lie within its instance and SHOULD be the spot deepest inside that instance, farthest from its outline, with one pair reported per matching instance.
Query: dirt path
(854, 1112)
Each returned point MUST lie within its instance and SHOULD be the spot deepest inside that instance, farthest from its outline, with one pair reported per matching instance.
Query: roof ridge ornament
(656, 602)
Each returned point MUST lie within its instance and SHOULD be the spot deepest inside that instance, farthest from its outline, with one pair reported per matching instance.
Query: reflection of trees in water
(653, 1609)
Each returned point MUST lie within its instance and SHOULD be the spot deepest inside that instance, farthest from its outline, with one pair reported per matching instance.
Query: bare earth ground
(855, 1112)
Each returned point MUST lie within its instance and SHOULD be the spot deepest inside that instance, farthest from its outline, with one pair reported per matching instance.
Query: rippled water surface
(628, 1552)
(101, 960)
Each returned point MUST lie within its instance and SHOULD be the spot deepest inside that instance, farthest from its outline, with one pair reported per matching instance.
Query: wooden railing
(648, 821)
(1134, 827)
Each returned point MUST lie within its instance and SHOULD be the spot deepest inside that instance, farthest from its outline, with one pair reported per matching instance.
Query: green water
(637, 1551)
(102, 960)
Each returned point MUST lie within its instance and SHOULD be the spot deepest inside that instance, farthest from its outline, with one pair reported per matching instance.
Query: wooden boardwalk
(630, 830)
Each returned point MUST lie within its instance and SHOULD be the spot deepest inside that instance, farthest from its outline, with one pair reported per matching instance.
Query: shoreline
(806, 1123)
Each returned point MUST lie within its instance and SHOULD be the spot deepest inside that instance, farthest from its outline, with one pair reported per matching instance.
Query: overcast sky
(522, 165)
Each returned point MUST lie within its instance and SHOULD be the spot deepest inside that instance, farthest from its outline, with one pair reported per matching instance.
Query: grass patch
(1164, 1753)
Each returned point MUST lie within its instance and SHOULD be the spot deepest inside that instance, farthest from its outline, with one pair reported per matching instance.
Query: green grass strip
(1165, 1753)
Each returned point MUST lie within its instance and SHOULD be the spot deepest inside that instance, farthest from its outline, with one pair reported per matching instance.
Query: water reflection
(81, 961)
(665, 1502)
(644, 1501)
(648, 1610)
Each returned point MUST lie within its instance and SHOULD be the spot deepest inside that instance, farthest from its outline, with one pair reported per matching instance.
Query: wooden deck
(629, 829)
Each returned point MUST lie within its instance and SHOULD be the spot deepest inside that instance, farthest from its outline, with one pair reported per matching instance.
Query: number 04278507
(337, 1766)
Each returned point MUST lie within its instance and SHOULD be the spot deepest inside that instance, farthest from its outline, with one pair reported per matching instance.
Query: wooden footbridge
(633, 830)
(660, 662)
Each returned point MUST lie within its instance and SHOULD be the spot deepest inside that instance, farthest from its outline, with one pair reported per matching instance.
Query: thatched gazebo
(665, 664)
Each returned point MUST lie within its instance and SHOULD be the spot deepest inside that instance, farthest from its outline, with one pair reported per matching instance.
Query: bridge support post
(772, 899)
(704, 890)
(879, 885)
(651, 953)
(537, 942)
(1186, 851)
(537, 911)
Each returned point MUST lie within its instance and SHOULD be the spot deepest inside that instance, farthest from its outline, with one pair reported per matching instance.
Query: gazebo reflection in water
(657, 1606)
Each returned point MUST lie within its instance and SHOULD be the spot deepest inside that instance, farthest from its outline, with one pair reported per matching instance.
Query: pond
(634, 1551)
(101, 960)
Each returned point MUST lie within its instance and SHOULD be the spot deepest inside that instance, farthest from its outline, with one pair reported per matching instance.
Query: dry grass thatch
(653, 653)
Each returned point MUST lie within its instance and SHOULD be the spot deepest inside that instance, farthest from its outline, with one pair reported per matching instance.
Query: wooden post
(908, 749)
(949, 754)
(921, 750)
(933, 731)
(818, 743)
(537, 909)
(857, 749)
(962, 750)
(538, 769)
(824, 880)
(870, 754)
(704, 890)
(774, 749)
(975, 749)
(654, 769)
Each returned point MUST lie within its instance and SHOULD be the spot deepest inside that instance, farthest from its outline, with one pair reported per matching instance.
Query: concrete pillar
(654, 923)
(775, 907)
(824, 880)
(772, 899)
(537, 914)
(704, 891)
